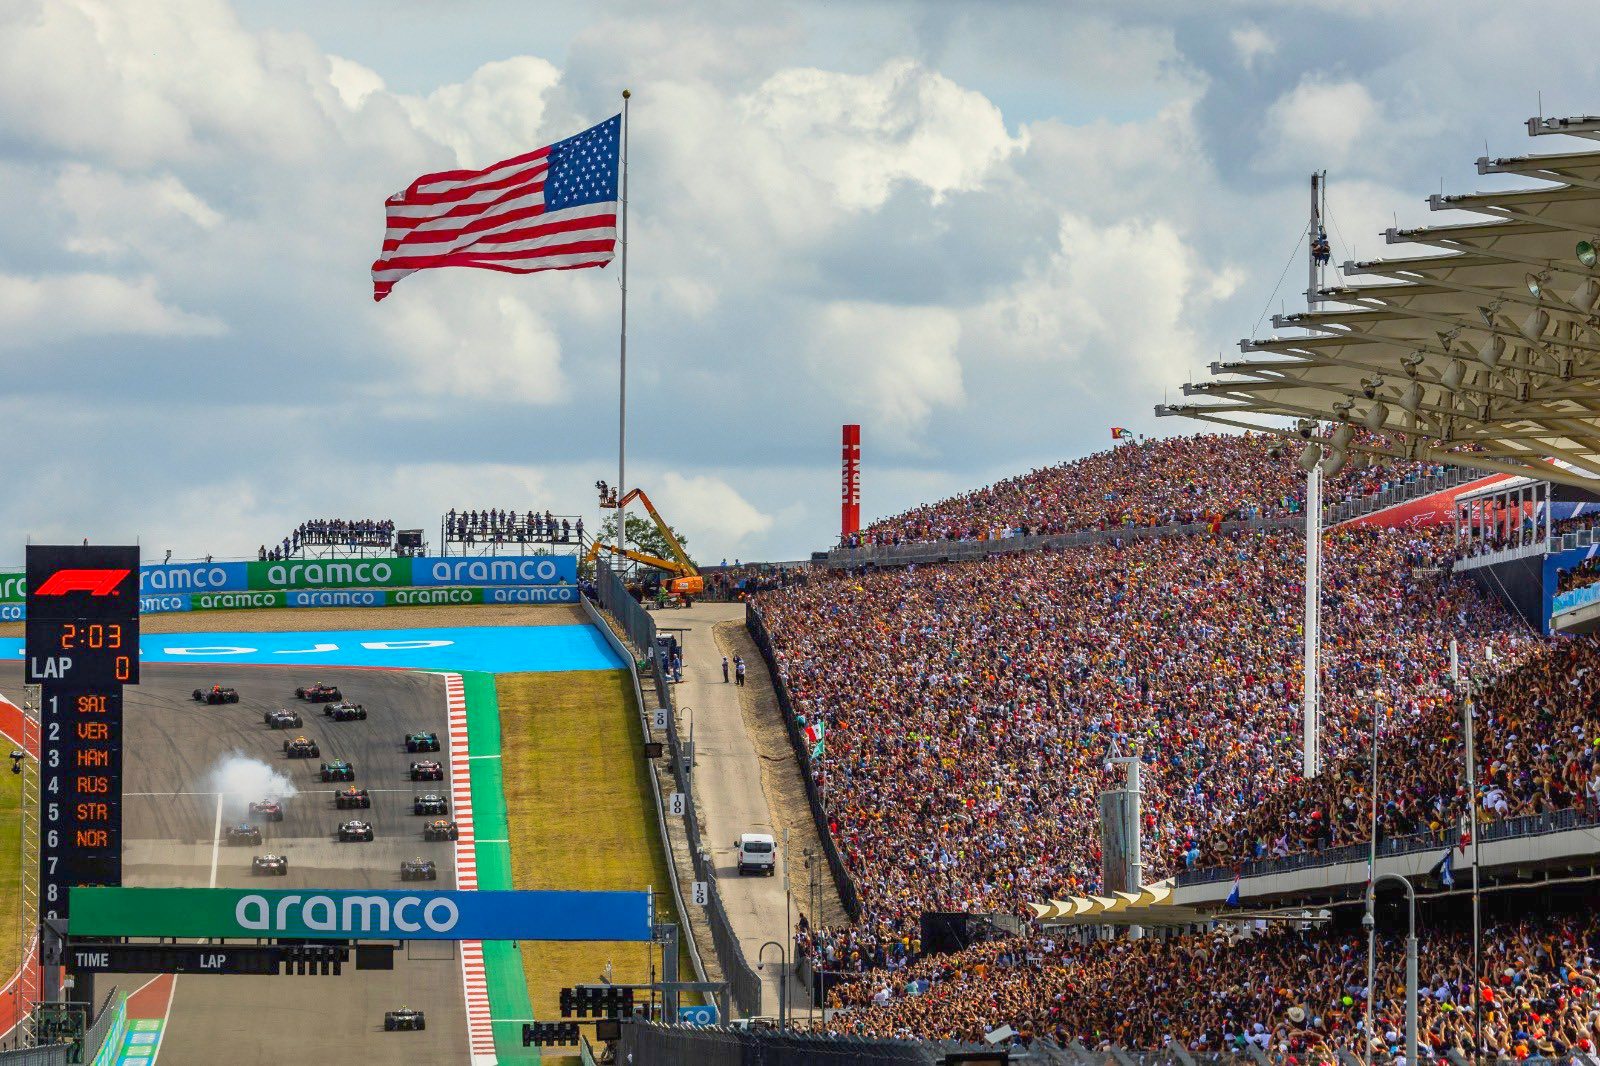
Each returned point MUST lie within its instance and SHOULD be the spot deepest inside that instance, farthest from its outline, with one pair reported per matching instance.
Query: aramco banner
(336, 914)
(158, 580)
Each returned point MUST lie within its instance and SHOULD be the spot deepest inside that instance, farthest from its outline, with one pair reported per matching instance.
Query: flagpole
(622, 372)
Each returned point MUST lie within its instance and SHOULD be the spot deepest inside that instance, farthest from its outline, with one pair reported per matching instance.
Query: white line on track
(495, 756)
(216, 841)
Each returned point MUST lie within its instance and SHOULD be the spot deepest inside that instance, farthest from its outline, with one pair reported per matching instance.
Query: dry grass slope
(10, 872)
(581, 817)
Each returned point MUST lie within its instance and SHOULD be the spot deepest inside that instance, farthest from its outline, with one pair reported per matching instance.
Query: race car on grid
(416, 742)
(355, 829)
(283, 718)
(244, 833)
(427, 770)
(440, 829)
(337, 770)
(430, 803)
(301, 747)
(270, 809)
(345, 711)
(269, 866)
(217, 694)
(352, 798)
(419, 870)
(404, 1018)
(319, 693)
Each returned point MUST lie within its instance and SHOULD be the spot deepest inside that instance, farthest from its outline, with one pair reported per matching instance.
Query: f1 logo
(94, 582)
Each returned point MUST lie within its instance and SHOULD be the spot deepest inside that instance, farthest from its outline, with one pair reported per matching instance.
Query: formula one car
(345, 711)
(419, 870)
(352, 798)
(319, 693)
(244, 833)
(269, 866)
(355, 830)
(439, 829)
(337, 770)
(422, 742)
(217, 694)
(427, 770)
(430, 803)
(283, 719)
(270, 809)
(301, 748)
(404, 1018)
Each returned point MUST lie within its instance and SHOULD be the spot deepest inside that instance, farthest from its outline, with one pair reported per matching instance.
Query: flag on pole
(554, 208)
(815, 731)
(1444, 869)
(1118, 433)
(816, 752)
(1233, 897)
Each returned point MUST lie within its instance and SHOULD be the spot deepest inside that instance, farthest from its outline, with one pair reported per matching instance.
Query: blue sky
(986, 231)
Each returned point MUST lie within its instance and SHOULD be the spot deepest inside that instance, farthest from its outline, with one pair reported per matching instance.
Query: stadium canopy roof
(1480, 347)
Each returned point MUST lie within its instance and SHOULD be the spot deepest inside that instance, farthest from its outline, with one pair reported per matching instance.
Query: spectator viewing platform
(318, 538)
(509, 532)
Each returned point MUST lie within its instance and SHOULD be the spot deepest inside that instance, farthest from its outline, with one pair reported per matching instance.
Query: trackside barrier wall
(655, 787)
(267, 599)
(743, 983)
(841, 876)
(51, 1055)
(104, 1040)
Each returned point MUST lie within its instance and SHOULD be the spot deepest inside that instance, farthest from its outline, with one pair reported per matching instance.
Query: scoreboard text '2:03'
(82, 647)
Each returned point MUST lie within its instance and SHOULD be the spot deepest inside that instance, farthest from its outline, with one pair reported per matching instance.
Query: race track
(170, 822)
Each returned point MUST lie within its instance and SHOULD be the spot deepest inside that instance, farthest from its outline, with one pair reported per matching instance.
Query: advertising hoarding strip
(263, 599)
(507, 984)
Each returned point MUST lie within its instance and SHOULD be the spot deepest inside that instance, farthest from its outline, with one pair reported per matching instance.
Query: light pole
(783, 991)
(1411, 962)
(1469, 742)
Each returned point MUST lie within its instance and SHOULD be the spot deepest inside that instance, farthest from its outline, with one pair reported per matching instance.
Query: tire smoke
(243, 779)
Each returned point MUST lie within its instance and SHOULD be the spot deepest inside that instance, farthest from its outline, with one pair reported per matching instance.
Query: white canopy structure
(1480, 348)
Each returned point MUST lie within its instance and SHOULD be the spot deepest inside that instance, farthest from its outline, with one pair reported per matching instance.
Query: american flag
(554, 208)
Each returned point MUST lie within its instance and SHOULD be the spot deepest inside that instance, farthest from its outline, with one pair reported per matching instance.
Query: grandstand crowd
(970, 710)
(1207, 478)
(495, 526)
(1298, 995)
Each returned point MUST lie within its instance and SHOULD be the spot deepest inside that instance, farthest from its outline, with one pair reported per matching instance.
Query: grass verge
(581, 817)
(10, 873)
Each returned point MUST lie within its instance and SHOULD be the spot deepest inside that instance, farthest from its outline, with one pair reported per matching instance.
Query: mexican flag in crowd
(814, 733)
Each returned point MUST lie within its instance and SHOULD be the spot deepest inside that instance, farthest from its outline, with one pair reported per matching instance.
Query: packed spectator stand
(492, 527)
(331, 536)
(1169, 481)
(969, 709)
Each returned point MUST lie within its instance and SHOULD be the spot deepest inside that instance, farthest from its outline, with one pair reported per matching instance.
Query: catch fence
(744, 984)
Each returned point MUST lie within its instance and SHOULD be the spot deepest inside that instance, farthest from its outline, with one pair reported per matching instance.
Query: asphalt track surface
(169, 825)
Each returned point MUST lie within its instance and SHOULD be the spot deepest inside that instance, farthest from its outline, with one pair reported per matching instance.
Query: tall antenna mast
(1321, 250)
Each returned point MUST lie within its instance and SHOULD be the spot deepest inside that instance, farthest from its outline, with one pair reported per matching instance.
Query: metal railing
(744, 984)
(1528, 825)
(1412, 488)
(1574, 598)
(49, 1055)
(830, 850)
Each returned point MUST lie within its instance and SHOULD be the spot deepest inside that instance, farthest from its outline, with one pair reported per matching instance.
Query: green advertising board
(353, 573)
(341, 914)
(13, 587)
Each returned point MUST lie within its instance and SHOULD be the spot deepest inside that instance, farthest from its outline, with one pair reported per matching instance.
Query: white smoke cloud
(243, 780)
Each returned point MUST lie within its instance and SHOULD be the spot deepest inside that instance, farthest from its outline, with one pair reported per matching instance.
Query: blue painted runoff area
(497, 649)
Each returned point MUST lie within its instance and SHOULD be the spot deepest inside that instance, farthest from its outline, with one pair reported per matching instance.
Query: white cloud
(354, 82)
(470, 338)
(1319, 122)
(1252, 43)
(498, 112)
(114, 213)
(709, 512)
(895, 363)
(43, 310)
(861, 134)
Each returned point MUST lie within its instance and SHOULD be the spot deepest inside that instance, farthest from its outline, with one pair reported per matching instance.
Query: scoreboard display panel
(82, 646)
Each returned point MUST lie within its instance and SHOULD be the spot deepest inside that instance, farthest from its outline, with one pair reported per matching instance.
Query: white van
(757, 854)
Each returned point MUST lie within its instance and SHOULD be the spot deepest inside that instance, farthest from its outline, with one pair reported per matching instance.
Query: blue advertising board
(336, 597)
(495, 570)
(192, 577)
(703, 1015)
(165, 602)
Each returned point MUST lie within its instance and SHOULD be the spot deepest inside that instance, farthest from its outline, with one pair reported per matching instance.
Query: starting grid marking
(141, 1042)
(474, 979)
